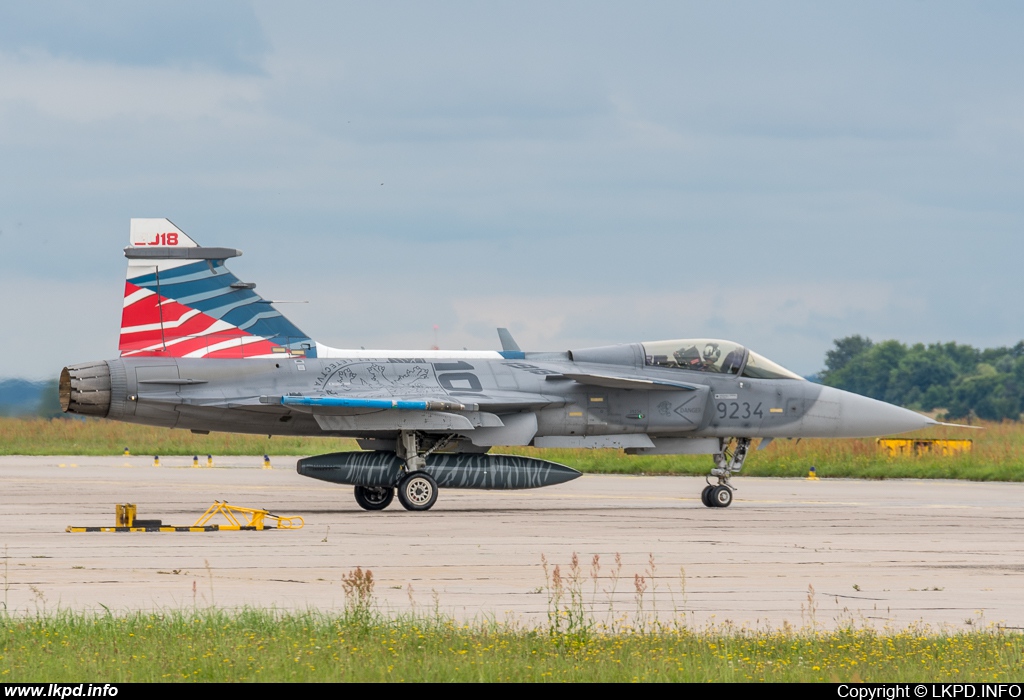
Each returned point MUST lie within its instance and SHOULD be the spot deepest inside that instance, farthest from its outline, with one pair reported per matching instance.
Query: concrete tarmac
(788, 551)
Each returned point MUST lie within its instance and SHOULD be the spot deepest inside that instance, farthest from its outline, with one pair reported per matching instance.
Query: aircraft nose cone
(864, 417)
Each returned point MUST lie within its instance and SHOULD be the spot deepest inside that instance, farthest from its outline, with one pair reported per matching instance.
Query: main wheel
(374, 497)
(705, 496)
(417, 491)
(721, 497)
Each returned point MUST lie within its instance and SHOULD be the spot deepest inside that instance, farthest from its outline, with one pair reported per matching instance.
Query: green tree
(922, 377)
(966, 381)
(869, 372)
(987, 394)
(965, 356)
(845, 350)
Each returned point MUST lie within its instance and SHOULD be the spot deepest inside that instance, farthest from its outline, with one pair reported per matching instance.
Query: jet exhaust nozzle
(457, 471)
(85, 389)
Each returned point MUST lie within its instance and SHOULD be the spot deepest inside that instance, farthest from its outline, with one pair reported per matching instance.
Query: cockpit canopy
(717, 356)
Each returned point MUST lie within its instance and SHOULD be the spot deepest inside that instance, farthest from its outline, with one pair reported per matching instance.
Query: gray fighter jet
(202, 351)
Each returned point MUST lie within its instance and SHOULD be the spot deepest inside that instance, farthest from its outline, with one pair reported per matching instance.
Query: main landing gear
(374, 497)
(416, 489)
(727, 462)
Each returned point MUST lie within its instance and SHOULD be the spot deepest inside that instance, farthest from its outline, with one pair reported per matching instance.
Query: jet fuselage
(245, 396)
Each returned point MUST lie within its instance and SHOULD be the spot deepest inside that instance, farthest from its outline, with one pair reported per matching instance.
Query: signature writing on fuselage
(532, 369)
(348, 375)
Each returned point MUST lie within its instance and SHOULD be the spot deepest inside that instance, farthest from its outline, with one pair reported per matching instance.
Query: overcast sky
(585, 173)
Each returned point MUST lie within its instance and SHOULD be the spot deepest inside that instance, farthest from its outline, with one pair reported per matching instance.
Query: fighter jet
(202, 351)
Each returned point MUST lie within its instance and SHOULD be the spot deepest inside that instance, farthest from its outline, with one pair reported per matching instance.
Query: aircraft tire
(721, 497)
(374, 498)
(705, 496)
(417, 491)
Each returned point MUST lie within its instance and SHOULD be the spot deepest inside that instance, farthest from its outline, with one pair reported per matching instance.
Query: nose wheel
(716, 496)
(705, 495)
(728, 462)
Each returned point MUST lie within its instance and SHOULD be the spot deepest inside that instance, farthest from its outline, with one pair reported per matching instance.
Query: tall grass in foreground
(262, 645)
(998, 453)
(360, 643)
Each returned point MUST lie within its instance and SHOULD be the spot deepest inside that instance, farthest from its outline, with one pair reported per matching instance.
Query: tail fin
(181, 301)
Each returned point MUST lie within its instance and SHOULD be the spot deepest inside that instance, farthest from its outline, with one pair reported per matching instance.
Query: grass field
(252, 645)
(998, 453)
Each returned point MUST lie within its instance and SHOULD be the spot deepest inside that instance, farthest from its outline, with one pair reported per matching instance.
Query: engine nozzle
(85, 389)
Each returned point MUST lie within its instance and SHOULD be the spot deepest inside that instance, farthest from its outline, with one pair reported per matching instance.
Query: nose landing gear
(728, 462)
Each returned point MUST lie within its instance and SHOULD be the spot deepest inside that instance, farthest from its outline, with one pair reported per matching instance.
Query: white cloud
(76, 91)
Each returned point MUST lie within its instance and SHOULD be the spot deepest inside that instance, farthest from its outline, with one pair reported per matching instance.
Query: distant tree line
(960, 379)
(23, 397)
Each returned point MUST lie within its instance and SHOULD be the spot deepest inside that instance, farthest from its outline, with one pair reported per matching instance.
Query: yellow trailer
(905, 447)
(238, 517)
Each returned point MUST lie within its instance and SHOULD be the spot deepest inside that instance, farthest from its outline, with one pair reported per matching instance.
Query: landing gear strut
(727, 462)
(408, 448)
(417, 489)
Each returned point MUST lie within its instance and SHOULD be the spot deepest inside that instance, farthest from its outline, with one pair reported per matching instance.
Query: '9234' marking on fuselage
(738, 410)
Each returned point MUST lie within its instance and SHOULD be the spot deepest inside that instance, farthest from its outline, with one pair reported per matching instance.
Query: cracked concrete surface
(879, 553)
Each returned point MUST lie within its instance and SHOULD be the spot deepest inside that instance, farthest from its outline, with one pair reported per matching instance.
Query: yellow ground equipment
(253, 517)
(905, 447)
(125, 514)
(238, 517)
